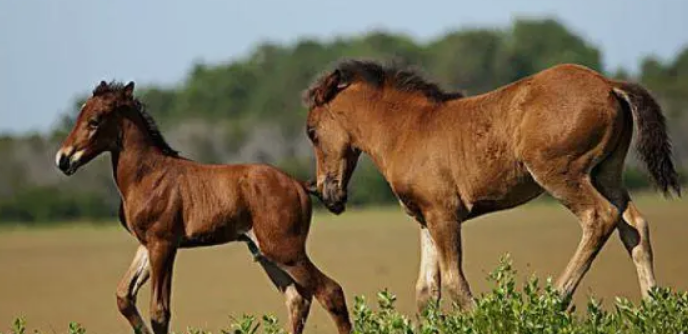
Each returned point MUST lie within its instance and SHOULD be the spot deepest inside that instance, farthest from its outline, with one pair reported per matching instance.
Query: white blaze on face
(62, 152)
(66, 152)
(57, 157)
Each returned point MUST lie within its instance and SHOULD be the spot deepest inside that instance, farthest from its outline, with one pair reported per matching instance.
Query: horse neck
(136, 156)
(378, 129)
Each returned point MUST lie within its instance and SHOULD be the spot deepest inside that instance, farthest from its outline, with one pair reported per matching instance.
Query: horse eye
(93, 122)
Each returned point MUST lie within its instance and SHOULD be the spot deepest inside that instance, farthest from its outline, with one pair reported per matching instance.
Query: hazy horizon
(50, 52)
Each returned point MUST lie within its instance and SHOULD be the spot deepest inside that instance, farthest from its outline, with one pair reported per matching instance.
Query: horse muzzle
(68, 160)
(333, 196)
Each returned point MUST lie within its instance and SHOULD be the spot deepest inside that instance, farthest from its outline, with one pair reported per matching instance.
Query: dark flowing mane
(117, 88)
(153, 130)
(402, 78)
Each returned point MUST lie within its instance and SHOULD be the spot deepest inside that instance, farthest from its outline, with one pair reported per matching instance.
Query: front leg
(162, 254)
(133, 279)
(445, 230)
(428, 285)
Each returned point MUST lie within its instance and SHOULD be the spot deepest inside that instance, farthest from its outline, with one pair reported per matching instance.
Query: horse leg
(328, 292)
(597, 215)
(445, 230)
(128, 287)
(162, 254)
(298, 301)
(633, 229)
(428, 285)
(635, 235)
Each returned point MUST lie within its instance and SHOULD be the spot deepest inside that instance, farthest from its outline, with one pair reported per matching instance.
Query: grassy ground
(69, 273)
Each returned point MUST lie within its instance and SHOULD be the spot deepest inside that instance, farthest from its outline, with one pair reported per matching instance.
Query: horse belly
(214, 232)
(505, 192)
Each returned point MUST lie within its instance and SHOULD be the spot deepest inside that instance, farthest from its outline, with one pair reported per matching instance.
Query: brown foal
(449, 158)
(169, 202)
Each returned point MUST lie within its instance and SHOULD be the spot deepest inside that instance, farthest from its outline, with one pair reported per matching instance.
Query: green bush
(533, 309)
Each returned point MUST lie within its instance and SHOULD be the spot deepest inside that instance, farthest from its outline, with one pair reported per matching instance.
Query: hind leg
(287, 255)
(570, 183)
(298, 301)
(328, 292)
(633, 229)
(635, 235)
(598, 218)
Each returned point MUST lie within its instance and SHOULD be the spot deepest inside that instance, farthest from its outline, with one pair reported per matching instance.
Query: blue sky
(50, 51)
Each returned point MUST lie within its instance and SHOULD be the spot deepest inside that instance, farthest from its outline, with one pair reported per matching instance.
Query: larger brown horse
(169, 202)
(449, 158)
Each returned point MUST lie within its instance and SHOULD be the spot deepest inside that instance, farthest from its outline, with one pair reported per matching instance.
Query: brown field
(52, 276)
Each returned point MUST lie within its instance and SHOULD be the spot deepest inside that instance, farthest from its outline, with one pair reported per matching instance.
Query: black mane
(117, 88)
(402, 78)
(154, 132)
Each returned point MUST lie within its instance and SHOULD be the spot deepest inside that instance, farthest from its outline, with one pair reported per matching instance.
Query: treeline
(249, 109)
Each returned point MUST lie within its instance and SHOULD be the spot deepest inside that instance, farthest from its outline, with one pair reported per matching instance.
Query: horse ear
(333, 84)
(101, 88)
(342, 82)
(129, 89)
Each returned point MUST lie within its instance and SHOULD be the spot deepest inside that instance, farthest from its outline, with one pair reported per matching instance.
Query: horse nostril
(63, 163)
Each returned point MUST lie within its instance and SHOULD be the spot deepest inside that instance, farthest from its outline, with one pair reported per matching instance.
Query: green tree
(237, 110)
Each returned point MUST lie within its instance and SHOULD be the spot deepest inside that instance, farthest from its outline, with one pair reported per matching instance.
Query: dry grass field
(55, 275)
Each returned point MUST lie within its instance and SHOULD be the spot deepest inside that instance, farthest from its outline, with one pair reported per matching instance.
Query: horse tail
(652, 144)
(309, 186)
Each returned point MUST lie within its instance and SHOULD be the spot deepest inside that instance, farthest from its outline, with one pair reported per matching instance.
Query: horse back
(473, 153)
(205, 205)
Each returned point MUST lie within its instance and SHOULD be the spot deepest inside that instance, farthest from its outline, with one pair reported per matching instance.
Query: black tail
(652, 144)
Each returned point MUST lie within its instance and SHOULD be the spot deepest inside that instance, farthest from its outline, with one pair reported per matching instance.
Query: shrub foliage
(534, 309)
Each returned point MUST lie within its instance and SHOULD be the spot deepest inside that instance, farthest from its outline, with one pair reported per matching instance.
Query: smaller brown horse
(169, 202)
(449, 158)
